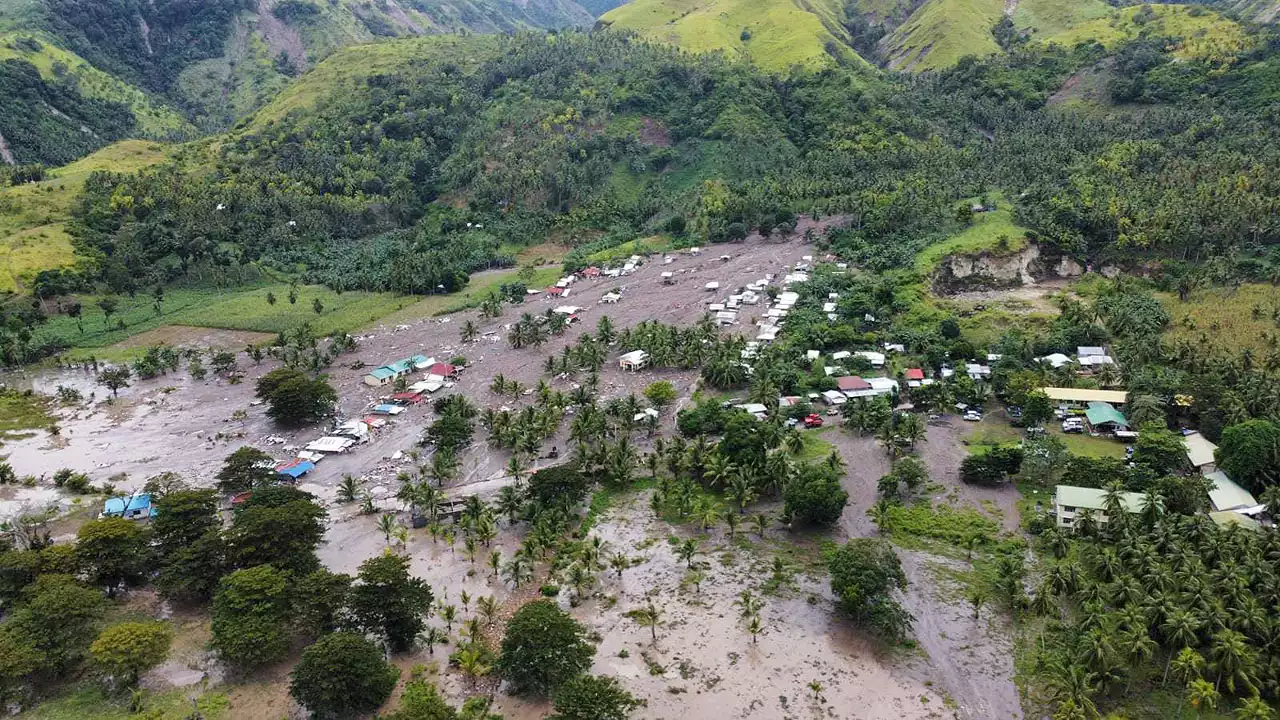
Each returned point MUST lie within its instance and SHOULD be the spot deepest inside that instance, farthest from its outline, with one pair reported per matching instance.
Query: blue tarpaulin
(298, 469)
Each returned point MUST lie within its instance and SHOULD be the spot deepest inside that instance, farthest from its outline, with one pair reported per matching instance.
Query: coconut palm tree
(911, 429)
(648, 616)
(619, 562)
(431, 637)
(471, 661)
(469, 331)
(1179, 629)
(1202, 695)
(448, 614)
(1232, 659)
(687, 551)
(1071, 683)
(487, 606)
(387, 526)
(348, 489)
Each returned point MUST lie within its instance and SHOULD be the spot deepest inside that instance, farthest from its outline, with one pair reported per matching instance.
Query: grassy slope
(154, 119)
(983, 234)
(782, 32)
(1044, 18)
(355, 63)
(940, 32)
(32, 231)
(1204, 34)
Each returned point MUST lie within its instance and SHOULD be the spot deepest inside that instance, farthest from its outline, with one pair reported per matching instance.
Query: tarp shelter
(387, 409)
(296, 469)
(1085, 395)
(1225, 494)
(1103, 416)
(1200, 452)
(130, 507)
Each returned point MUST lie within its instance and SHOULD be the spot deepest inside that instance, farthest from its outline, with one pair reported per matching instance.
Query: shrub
(342, 675)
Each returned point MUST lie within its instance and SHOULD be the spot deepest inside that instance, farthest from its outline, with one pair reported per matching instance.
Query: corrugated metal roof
(1227, 518)
(1118, 397)
(1225, 494)
(1199, 450)
(1093, 498)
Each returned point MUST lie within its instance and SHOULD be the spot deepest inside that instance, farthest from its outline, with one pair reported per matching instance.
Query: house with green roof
(1069, 501)
(1104, 417)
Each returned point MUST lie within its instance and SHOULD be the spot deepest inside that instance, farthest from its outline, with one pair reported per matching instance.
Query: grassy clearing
(1225, 317)
(238, 309)
(640, 246)
(984, 235)
(816, 448)
(33, 217)
(941, 32)
(1203, 34)
(1042, 18)
(22, 413)
(88, 701)
(920, 525)
(476, 291)
(780, 33)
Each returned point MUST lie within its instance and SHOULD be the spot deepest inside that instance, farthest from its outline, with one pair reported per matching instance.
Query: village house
(634, 360)
(130, 507)
(1069, 500)
(387, 374)
(1104, 418)
(1200, 452)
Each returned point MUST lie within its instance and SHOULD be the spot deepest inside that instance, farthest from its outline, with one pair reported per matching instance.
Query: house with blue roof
(130, 507)
(387, 374)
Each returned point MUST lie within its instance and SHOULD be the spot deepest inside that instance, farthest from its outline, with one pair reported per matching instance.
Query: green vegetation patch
(1235, 319)
(994, 232)
(88, 701)
(774, 34)
(238, 309)
(944, 523)
(1202, 34)
(22, 412)
(1042, 18)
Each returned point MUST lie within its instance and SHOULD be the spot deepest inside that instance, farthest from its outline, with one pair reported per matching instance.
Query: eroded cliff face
(994, 270)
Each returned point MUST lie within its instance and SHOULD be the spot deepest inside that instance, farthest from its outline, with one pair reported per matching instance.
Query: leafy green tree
(342, 675)
(53, 625)
(320, 601)
(182, 517)
(1249, 453)
(124, 651)
(113, 551)
(114, 378)
(1037, 409)
(593, 697)
(864, 574)
(251, 617)
(245, 469)
(388, 602)
(661, 393)
(542, 649)
(1159, 449)
(295, 399)
(191, 573)
(815, 496)
(279, 525)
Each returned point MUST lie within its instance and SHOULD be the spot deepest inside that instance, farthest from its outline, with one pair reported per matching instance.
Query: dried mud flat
(710, 668)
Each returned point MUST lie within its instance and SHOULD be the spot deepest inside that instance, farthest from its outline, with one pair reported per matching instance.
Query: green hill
(940, 32)
(1200, 34)
(774, 34)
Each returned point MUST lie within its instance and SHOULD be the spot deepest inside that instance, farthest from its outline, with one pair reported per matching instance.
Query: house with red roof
(852, 383)
(443, 370)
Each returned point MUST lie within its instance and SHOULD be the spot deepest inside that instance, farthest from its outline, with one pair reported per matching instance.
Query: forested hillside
(93, 72)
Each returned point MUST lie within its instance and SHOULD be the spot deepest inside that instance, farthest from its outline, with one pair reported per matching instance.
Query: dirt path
(974, 658)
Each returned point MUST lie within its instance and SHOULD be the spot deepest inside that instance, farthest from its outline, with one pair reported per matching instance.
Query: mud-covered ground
(704, 663)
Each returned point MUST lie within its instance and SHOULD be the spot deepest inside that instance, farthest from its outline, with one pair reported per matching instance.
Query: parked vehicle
(973, 416)
(1072, 425)
(813, 421)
